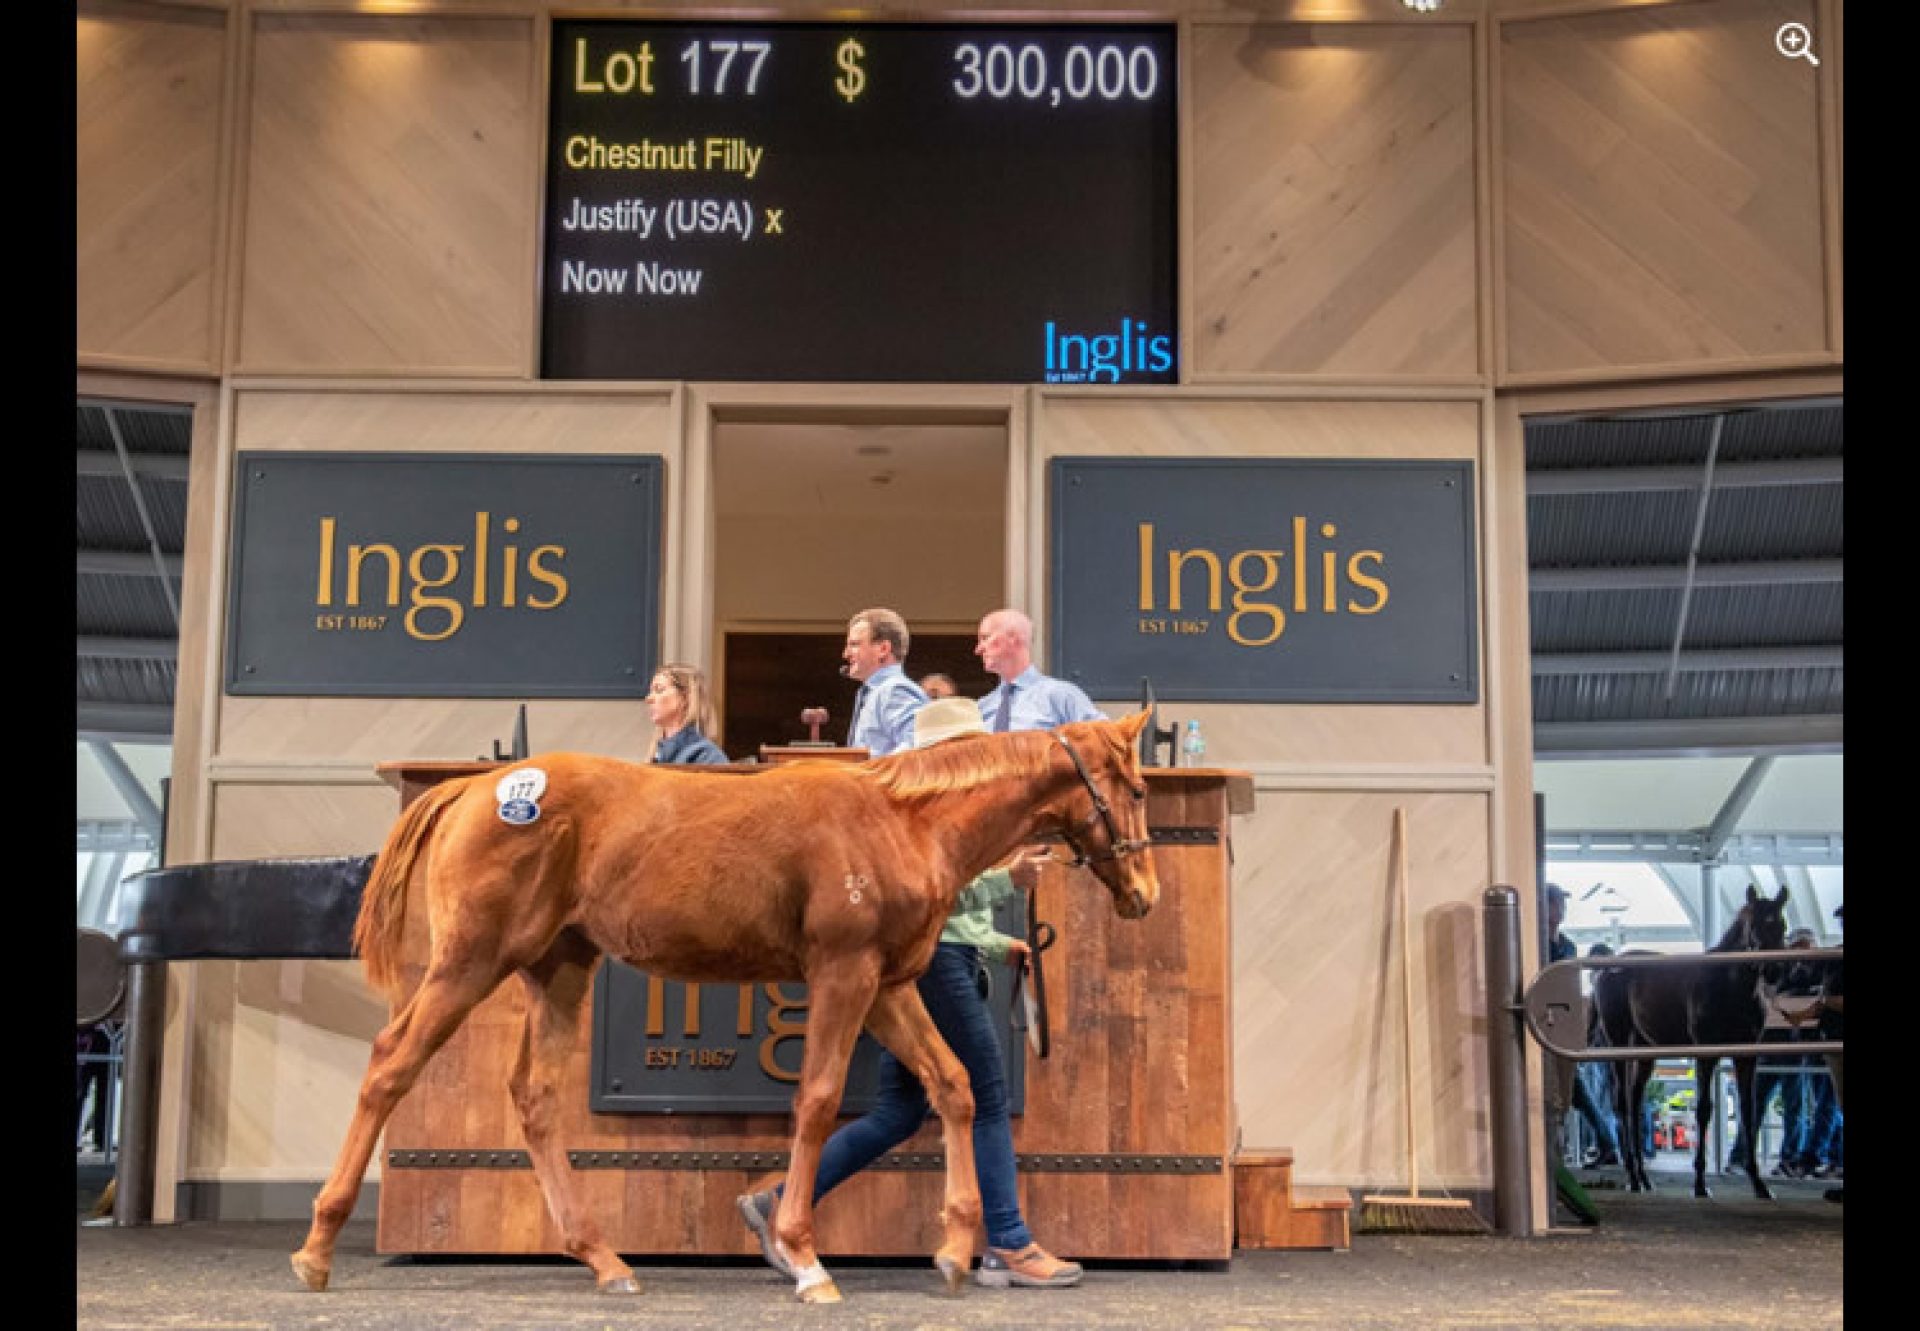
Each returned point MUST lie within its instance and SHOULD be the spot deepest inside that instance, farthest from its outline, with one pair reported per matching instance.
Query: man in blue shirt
(1025, 699)
(883, 710)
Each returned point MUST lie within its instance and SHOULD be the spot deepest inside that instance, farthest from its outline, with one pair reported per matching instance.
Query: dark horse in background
(1643, 1005)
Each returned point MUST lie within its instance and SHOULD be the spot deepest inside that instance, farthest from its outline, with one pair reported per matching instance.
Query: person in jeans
(954, 989)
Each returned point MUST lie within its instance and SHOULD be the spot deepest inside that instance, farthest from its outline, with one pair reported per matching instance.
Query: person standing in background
(877, 643)
(937, 685)
(681, 709)
(1024, 699)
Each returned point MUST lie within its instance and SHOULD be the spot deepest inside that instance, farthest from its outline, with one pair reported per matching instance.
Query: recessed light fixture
(1423, 6)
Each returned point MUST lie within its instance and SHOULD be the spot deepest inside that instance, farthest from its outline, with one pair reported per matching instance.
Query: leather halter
(1116, 848)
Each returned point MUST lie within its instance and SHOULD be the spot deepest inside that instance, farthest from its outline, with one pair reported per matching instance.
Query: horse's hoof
(953, 1272)
(312, 1274)
(625, 1284)
(1763, 1193)
(824, 1292)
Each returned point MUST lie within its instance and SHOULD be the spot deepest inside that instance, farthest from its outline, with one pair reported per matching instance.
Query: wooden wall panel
(1316, 1001)
(1333, 201)
(1141, 1065)
(147, 97)
(362, 731)
(1661, 191)
(391, 195)
(280, 1046)
(1260, 738)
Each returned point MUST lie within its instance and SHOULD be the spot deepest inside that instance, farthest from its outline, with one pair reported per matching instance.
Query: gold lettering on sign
(1252, 573)
(779, 1028)
(437, 608)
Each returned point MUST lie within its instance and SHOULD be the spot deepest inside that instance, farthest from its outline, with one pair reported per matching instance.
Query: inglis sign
(433, 575)
(1265, 579)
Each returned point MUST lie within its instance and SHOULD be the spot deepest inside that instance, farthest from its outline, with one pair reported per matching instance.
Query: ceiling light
(1423, 6)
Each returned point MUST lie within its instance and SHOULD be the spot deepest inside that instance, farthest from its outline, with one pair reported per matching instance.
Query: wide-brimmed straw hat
(943, 718)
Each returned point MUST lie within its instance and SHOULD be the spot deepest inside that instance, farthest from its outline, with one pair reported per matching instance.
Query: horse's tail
(383, 905)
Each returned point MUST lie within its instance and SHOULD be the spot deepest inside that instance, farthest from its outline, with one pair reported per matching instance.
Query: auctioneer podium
(1123, 1144)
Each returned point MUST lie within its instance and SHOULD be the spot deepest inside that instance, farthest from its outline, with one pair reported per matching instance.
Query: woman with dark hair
(682, 713)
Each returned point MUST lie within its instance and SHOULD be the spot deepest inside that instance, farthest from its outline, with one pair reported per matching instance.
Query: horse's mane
(958, 764)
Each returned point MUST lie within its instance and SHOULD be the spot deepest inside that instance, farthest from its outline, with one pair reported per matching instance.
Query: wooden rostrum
(1123, 1145)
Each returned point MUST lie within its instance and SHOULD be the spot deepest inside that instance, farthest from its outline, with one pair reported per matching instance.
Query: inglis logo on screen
(1106, 358)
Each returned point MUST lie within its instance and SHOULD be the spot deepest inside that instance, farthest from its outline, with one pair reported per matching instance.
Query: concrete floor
(1661, 1261)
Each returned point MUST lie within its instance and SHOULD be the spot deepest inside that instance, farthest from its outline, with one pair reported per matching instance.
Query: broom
(1412, 1213)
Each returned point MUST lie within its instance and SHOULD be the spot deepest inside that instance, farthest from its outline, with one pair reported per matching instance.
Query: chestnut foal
(836, 874)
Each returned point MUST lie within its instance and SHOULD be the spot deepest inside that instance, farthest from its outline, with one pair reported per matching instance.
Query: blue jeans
(954, 989)
(1593, 1099)
(1765, 1084)
(1823, 1145)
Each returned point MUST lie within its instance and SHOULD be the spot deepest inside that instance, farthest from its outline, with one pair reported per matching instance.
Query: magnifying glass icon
(1795, 42)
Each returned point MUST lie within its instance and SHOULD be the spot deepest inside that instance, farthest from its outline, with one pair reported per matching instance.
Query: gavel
(814, 718)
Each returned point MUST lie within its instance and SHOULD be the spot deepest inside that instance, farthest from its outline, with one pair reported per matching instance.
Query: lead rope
(1030, 998)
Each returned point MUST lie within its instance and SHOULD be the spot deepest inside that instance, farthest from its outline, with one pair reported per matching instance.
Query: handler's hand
(1024, 867)
(1801, 1016)
(1018, 952)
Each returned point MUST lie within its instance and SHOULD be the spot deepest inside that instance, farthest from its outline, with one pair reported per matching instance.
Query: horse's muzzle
(1133, 905)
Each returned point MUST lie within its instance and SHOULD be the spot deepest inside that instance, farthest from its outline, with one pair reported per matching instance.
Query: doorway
(818, 518)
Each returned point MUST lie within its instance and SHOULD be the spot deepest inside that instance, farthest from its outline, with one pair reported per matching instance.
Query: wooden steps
(1270, 1210)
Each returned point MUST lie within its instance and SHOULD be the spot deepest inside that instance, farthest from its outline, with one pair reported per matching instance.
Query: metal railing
(1555, 1006)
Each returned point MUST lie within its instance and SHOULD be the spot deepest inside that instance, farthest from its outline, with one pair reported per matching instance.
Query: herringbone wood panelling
(367, 731)
(1333, 200)
(370, 730)
(1250, 735)
(280, 1046)
(1318, 1032)
(509, 421)
(389, 203)
(147, 138)
(1661, 189)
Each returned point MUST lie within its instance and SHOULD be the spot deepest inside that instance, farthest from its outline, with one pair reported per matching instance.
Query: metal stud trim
(754, 1161)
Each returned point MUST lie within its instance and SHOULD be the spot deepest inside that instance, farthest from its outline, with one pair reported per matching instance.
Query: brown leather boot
(1033, 1267)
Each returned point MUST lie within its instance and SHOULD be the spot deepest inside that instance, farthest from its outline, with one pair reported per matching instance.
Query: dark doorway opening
(772, 677)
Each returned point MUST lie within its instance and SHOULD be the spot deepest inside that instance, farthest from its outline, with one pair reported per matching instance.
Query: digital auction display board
(821, 202)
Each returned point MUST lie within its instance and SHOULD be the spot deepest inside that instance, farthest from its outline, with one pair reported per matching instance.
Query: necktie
(859, 701)
(1005, 714)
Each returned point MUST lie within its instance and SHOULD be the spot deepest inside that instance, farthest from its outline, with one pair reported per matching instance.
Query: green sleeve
(985, 892)
(971, 922)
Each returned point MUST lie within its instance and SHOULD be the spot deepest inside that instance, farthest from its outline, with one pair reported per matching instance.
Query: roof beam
(1652, 577)
(146, 518)
(126, 563)
(1822, 657)
(1736, 804)
(1688, 737)
(145, 810)
(1727, 476)
(1693, 556)
(103, 647)
(123, 722)
(157, 466)
(1657, 847)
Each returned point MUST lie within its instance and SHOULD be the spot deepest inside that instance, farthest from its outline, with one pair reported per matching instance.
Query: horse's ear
(1781, 899)
(1132, 726)
(1753, 892)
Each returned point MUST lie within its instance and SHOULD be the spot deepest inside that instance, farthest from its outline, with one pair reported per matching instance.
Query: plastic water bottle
(1195, 745)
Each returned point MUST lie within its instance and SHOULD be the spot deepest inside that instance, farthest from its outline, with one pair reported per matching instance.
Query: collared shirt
(971, 923)
(1040, 702)
(688, 745)
(883, 712)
